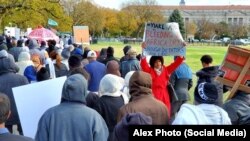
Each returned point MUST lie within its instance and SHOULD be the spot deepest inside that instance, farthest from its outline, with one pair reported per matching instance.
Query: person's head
(205, 93)
(206, 60)
(32, 44)
(4, 108)
(24, 56)
(113, 67)
(75, 89)
(20, 43)
(122, 127)
(42, 74)
(56, 56)
(126, 49)
(110, 51)
(110, 85)
(43, 43)
(74, 61)
(156, 62)
(35, 58)
(140, 83)
(132, 53)
(91, 55)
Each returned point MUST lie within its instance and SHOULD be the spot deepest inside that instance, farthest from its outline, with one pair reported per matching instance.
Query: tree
(144, 11)
(191, 28)
(222, 30)
(127, 27)
(176, 17)
(238, 31)
(205, 30)
(30, 13)
(111, 23)
(86, 13)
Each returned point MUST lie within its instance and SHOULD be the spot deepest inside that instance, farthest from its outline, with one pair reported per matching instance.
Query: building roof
(206, 7)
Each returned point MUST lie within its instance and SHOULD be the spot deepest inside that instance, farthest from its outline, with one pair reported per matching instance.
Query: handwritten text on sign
(163, 39)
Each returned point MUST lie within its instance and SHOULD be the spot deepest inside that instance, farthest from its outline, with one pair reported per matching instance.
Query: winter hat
(121, 130)
(74, 61)
(111, 85)
(42, 74)
(91, 54)
(206, 93)
(132, 52)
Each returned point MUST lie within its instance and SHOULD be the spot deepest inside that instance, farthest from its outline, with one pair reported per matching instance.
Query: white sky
(117, 3)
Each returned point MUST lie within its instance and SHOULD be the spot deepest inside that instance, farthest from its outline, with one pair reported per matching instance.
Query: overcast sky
(117, 3)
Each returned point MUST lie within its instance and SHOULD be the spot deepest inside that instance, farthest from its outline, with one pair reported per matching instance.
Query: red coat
(159, 85)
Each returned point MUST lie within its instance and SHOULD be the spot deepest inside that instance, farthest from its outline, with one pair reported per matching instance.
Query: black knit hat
(74, 61)
(206, 93)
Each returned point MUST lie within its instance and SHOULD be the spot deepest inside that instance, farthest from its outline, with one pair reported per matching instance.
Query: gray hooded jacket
(72, 120)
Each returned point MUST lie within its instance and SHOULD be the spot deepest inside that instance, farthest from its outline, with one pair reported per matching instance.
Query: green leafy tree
(127, 27)
(176, 17)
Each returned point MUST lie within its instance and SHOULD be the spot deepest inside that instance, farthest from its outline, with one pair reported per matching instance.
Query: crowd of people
(103, 94)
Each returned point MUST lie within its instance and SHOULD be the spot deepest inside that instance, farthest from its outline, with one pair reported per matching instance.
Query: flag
(52, 22)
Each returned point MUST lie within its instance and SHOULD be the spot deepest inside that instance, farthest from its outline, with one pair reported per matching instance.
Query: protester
(160, 76)
(131, 64)
(181, 80)
(110, 56)
(113, 67)
(208, 74)
(75, 67)
(5, 113)
(72, 120)
(205, 111)
(121, 131)
(125, 50)
(238, 108)
(8, 80)
(23, 62)
(96, 70)
(143, 101)
(60, 68)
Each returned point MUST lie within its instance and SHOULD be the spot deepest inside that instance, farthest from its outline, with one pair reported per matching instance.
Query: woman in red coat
(160, 76)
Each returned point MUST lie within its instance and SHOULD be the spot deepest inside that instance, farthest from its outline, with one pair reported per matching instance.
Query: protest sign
(81, 34)
(163, 39)
(34, 99)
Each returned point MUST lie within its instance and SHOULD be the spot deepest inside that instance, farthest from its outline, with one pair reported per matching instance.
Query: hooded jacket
(34, 49)
(8, 80)
(208, 74)
(72, 120)
(143, 101)
(202, 114)
(238, 108)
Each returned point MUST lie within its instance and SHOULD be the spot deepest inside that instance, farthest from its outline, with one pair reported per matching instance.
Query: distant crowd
(103, 95)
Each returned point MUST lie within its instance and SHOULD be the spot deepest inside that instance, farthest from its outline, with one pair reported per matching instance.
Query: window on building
(235, 20)
(241, 21)
(229, 20)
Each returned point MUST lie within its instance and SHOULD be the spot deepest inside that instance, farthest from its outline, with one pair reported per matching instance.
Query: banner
(81, 34)
(34, 99)
(163, 39)
(52, 22)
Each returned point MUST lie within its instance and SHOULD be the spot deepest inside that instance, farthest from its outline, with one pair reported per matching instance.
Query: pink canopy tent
(43, 34)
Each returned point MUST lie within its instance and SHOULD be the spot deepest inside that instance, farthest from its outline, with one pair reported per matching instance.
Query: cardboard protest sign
(81, 34)
(235, 70)
(34, 99)
(163, 39)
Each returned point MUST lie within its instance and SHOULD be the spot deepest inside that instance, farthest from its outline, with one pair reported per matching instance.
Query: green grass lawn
(194, 54)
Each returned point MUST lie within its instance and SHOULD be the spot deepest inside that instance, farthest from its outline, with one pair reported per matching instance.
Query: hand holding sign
(163, 39)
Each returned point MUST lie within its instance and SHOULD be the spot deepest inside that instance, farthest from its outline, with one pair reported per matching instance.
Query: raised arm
(144, 65)
(172, 67)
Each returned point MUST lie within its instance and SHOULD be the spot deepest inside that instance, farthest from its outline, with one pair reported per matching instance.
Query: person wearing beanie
(125, 50)
(76, 67)
(142, 100)
(72, 120)
(121, 130)
(205, 110)
(160, 75)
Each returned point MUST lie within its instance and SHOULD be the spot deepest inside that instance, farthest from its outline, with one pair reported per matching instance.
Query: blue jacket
(96, 71)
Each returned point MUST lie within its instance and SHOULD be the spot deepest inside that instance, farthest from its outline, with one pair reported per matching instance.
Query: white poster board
(163, 39)
(34, 99)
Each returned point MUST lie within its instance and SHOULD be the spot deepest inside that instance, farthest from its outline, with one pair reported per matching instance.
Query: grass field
(194, 54)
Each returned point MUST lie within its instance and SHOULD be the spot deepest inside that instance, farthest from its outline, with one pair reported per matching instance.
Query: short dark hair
(207, 59)
(74, 61)
(126, 48)
(4, 107)
(42, 74)
(110, 51)
(153, 60)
